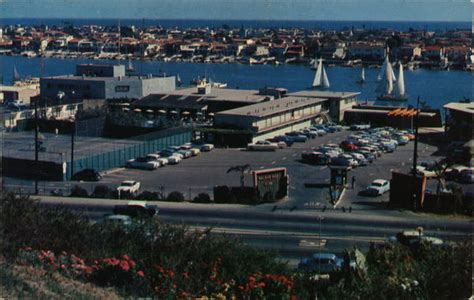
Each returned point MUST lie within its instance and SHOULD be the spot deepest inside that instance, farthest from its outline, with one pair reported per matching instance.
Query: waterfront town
(118, 181)
(349, 47)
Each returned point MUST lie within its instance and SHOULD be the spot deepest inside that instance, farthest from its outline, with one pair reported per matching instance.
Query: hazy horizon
(265, 10)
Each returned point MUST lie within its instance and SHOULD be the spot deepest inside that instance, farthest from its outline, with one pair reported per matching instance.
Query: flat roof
(171, 101)
(324, 94)
(224, 94)
(271, 107)
(101, 78)
(462, 107)
(10, 88)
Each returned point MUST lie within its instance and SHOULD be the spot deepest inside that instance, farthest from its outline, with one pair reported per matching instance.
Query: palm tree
(243, 169)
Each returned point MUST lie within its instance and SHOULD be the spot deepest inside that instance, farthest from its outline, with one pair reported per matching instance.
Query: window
(122, 88)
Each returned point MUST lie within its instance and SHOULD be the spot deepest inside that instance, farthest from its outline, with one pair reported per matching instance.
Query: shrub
(175, 197)
(202, 198)
(78, 191)
(151, 196)
(103, 191)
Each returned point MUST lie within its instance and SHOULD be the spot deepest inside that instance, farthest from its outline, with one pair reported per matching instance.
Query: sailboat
(314, 64)
(16, 75)
(178, 80)
(392, 93)
(362, 76)
(321, 78)
(130, 68)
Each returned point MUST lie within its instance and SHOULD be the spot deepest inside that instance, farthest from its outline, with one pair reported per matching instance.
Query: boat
(321, 78)
(16, 75)
(314, 64)
(178, 80)
(130, 68)
(362, 76)
(386, 88)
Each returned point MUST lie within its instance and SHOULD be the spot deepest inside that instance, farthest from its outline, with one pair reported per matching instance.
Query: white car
(262, 146)
(163, 161)
(186, 146)
(378, 187)
(427, 172)
(129, 186)
(142, 163)
(195, 151)
(174, 159)
(207, 147)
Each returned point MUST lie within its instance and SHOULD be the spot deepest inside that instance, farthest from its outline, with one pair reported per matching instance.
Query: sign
(269, 183)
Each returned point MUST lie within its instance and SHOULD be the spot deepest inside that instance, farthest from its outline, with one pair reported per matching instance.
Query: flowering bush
(272, 286)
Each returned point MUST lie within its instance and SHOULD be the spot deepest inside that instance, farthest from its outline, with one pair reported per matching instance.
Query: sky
(365, 10)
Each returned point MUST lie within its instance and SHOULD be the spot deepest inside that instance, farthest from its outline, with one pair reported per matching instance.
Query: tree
(243, 169)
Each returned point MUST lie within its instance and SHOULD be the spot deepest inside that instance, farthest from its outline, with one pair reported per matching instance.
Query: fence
(119, 157)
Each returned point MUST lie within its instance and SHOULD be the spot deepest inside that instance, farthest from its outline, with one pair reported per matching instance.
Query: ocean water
(189, 23)
(433, 86)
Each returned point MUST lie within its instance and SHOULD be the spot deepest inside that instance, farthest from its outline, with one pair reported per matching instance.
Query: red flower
(184, 294)
(171, 274)
(132, 263)
(88, 270)
(174, 286)
(124, 265)
(261, 284)
(140, 273)
(125, 256)
(63, 266)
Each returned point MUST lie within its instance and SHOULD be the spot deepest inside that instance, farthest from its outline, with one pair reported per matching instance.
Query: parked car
(314, 157)
(467, 176)
(288, 140)
(186, 146)
(429, 172)
(185, 153)
(454, 172)
(323, 263)
(377, 187)
(297, 137)
(262, 146)
(195, 151)
(174, 159)
(207, 147)
(309, 133)
(143, 163)
(348, 146)
(129, 186)
(163, 161)
(341, 161)
(361, 160)
(87, 175)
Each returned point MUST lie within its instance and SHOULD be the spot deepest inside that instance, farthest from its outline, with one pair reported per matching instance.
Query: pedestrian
(353, 181)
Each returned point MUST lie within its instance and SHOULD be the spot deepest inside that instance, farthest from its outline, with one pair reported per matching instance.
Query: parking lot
(201, 173)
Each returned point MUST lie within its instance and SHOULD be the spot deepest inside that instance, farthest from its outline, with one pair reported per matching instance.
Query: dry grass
(35, 283)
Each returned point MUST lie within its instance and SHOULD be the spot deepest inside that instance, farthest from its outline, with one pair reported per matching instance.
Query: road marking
(312, 243)
(283, 158)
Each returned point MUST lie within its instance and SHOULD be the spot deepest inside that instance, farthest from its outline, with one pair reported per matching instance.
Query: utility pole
(415, 153)
(73, 133)
(36, 169)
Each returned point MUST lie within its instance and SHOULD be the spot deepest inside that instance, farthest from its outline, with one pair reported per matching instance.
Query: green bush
(78, 191)
(175, 197)
(150, 196)
(202, 198)
(103, 191)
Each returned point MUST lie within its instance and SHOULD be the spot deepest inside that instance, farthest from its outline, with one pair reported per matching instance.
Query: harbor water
(435, 87)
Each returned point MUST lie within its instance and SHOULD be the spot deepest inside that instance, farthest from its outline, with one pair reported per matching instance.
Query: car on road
(377, 187)
(323, 263)
(116, 219)
(87, 175)
(262, 146)
(207, 147)
(414, 238)
(129, 186)
(136, 209)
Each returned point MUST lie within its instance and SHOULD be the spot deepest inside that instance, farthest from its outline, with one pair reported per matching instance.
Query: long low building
(270, 118)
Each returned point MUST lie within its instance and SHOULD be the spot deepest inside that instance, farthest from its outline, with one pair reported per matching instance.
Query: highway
(292, 234)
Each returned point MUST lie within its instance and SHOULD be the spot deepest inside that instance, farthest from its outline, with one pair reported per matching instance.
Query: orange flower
(140, 273)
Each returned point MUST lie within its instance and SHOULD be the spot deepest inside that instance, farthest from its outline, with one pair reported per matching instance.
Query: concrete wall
(282, 131)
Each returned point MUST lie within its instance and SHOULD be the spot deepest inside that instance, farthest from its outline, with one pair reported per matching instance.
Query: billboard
(271, 182)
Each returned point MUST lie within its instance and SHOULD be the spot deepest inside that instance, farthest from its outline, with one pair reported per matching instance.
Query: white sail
(382, 70)
(362, 75)
(315, 64)
(16, 75)
(325, 79)
(401, 81)
(130, 65)
(389, 78)
(318, 76)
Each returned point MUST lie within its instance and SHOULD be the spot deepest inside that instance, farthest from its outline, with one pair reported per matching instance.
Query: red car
(348, 146)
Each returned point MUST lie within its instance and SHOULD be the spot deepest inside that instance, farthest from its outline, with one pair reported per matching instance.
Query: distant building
(366, 51)
(460, 121)
(336, 102)
(104, 82)
(17, 94)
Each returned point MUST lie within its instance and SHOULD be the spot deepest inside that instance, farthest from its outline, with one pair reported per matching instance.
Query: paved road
(293, 234)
